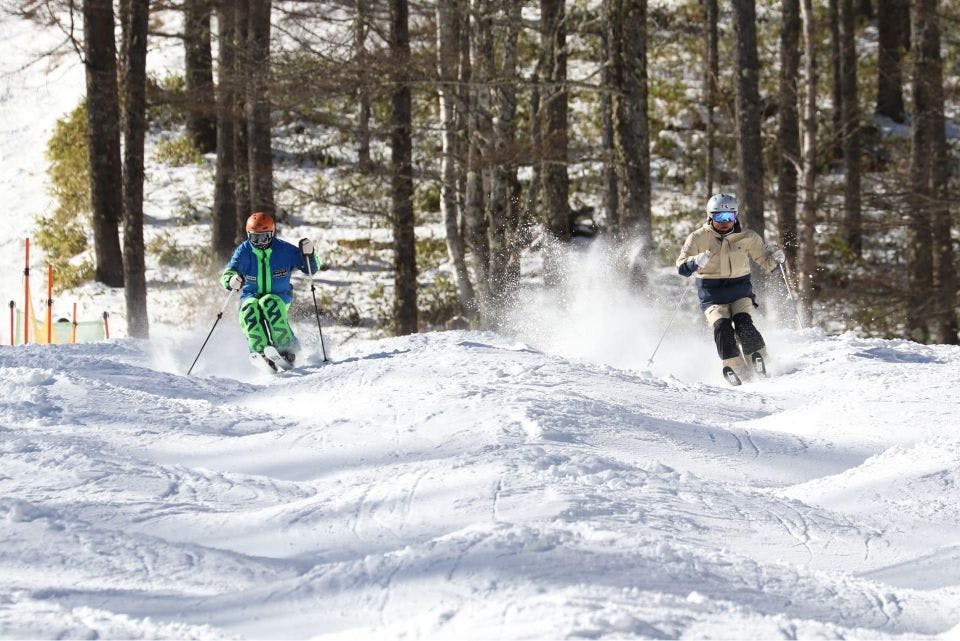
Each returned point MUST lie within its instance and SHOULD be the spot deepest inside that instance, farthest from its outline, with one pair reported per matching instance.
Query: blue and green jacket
(267, 271)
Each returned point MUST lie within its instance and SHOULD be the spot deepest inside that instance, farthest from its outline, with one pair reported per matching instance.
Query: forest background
(517, 127)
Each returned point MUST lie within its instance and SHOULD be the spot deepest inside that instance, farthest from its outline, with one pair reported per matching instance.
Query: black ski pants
(732, 324)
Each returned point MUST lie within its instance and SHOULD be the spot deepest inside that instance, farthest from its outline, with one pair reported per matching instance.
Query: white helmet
(722, 202)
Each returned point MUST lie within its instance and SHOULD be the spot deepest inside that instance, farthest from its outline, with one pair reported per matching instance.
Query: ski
(731, 376)
(262, 363)
(759, 366)
(271, 354)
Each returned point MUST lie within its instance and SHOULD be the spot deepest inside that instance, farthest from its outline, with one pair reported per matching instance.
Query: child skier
(719, 253)
(261, 268)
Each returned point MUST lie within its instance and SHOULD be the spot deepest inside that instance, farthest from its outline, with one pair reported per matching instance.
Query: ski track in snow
(459, 484)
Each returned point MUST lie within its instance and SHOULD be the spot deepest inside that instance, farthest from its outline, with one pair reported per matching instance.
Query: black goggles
(723, 216)
(260, 238)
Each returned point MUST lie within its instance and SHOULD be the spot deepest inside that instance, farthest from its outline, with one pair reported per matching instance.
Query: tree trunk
(475, 222)
(504, 212)
(198, 63)
(852, 233)
(134, 128)
(401, 170)
(553, 120)
(630, 124)
(931, 310)
(893, 23)
(806, 251)
(103, 141)
(463, 114)
(749, 147)
(241, 131)
(611, 195)
(788, 134)
(833, 22)
(449, 22)
(533, 199)
(258, 108)
(225, 231)
(360, 28)
(711, 73)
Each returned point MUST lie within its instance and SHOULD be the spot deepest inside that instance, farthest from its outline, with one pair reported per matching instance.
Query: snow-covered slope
(463, 485)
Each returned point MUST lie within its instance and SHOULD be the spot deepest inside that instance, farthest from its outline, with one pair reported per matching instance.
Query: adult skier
(719, 253)
(260, 269)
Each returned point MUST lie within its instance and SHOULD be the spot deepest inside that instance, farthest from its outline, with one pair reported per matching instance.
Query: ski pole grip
(308, 257)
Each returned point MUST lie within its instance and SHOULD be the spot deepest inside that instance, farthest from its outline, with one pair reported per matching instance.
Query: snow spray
(602, 310)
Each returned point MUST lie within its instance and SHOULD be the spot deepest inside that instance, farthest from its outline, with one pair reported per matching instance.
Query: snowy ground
(464, 485)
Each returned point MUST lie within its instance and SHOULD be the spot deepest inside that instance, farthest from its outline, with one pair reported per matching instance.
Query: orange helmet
(260, 229)
(259, 221)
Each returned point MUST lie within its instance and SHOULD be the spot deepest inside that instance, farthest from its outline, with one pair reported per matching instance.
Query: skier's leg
(750, 339)
(718, 316)
(251, 322)
(274, 312)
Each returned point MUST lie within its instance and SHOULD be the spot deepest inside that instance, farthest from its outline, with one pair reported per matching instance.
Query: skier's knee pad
(725, 338)
(750, 339)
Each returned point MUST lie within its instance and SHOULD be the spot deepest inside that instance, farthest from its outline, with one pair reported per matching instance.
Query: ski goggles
(260, 238)
(723, 216)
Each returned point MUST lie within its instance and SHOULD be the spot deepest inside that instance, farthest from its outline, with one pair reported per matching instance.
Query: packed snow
(466, 485)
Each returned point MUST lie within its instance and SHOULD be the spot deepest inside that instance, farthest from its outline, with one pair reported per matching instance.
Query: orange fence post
(49, 304)
(13, 324)
(26, 293)
(73, 333)
(106, 325)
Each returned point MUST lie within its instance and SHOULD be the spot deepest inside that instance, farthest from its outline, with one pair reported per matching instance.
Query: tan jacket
(730, 255)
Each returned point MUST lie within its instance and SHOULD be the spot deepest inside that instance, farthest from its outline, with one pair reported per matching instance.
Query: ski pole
(796, 309)
(219, 316)
(316, 307)
(672, 318)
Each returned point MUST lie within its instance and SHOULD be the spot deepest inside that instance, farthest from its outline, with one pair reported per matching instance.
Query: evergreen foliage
(62, 234)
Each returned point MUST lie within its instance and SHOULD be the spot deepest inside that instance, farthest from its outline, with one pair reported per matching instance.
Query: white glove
(702, 259)
(306, 246)
(779, 256)
(236, 282)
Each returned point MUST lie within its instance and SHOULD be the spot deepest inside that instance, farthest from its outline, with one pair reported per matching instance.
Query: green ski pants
(264, 322)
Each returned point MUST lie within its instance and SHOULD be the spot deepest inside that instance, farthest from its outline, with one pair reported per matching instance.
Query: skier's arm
(762, 253)
(687, 264)
(310, 264)
(231, 270)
